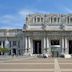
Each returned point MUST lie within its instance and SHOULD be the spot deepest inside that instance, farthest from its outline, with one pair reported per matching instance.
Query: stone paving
(36, 65)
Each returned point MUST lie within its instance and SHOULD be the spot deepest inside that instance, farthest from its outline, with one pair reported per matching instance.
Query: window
(41, 19)
(9, 43)
(51, 19)
(38, 19)
(14, 43)
(3, 43)
(26, 19)
(70, 19)
(0, 43)
(54, 42)
(55, 19)
(18, 44)
(35, 19)
(58, 19)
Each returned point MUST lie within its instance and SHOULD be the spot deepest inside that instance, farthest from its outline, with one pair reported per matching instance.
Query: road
(36, 65)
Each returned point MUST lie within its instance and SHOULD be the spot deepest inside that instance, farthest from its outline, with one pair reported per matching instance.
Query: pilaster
(66, 46)
(62, 45)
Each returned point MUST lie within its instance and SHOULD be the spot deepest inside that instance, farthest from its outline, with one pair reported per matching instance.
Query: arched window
(38, 19)
(26, 19)
(58, 19)
(68, 19)
(35, 19)
(51, 19)
(55, 19)
(71, 19)
(41, 19)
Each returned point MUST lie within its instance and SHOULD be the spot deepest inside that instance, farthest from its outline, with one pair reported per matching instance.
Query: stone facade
(12, 39)
(42, 33)
(48, 33)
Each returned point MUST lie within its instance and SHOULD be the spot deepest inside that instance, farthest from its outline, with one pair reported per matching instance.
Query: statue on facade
(6, 43)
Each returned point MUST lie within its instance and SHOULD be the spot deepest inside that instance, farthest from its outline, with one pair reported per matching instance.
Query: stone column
(23, 45)
(2, 44)
(62, 45)
(17, 47)
(48, 45)
(44, 44)
(11, 48)
(29, 44)
(16, 51)
(50, 19)
(11, 51)
(36, 19)
(47, 42)
(66, 46)
(26, 42)
(66, 20)
(69, 20)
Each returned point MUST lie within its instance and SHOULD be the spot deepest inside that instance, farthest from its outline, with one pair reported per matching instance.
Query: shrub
(4, 50)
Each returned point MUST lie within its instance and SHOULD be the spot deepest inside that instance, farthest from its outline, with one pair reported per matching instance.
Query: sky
(13, 12)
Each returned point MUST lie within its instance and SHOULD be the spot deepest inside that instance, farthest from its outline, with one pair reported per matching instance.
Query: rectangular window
(0, 43)
(54, 42)
(26, 19)
(54, 19)
(14, 43)
(3, 43)
(70, 19)
(51, 19)
(41, 19)
(58, 19)
(9, 43)
(18, 44)
(35, 19)
(38, 19)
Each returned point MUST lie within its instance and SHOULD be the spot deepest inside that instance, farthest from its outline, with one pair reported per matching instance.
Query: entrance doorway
(37, 47)
(70, 46)
(54, 42)
(14, 51)
(55, 48)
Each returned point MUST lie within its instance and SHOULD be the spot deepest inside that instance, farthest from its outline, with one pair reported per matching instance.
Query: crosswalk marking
(26, 63)
(35, 65)
(57, 68)
(26, 69)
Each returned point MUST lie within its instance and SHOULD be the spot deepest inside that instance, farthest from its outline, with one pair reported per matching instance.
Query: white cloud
(26, 12)
(17, 21)
(11, 21)
(68, 10)
(7, 19)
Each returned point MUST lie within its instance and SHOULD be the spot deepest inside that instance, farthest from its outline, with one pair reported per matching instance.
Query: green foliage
(4, 50)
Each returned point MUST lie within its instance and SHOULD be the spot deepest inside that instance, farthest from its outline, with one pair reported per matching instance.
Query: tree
(4, 50)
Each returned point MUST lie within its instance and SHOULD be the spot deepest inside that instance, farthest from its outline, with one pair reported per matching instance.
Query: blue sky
(13, 12)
